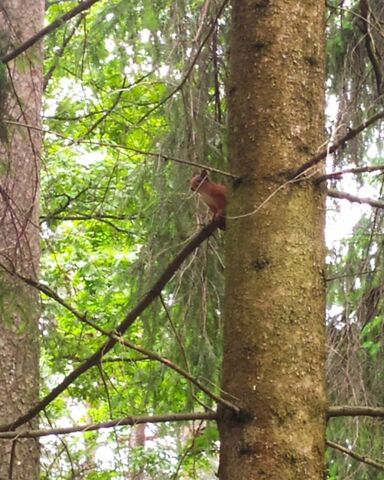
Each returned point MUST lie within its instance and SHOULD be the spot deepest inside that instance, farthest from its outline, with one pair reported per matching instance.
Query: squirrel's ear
(204, 173)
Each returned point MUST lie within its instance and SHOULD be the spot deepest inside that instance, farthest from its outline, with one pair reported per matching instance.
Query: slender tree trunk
(20, 101)
(274, 328)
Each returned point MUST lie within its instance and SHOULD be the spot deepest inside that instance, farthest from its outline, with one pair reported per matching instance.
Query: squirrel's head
(198, 180)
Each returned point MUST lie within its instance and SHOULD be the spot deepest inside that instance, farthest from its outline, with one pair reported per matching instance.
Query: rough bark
(20, 101)
(275, 298)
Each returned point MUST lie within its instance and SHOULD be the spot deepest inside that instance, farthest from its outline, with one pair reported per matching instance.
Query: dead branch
(46, 30)
(89, 427)
(352, 133)
(331, 192)
(357, 411)
(179, 370)
(339, 173)
(356, 456)
(122, 341)
(335, 411)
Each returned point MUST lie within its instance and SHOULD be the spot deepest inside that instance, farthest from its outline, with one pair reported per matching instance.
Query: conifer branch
(352, 133)
(356, 456)
(161, 155)
(46, 30)
(190, 67)
(122, 341)
(355, 411)
(332, 192)
(132, 421)
(339, 173)
(94, 359)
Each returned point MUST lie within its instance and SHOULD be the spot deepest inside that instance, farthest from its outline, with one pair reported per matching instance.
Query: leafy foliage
(115, 210)
(355, 318)
(134, 95)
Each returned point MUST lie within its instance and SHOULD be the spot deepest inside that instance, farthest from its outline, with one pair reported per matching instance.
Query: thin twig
(46, 30)
(339, 173)
(119, 339)
(261, 205)
(352, 133)
(61, 51)
(180, 371)
(173, 417)
(356, 456)
(332, 192)
(164, 156)
(176, 333)
(189, 69)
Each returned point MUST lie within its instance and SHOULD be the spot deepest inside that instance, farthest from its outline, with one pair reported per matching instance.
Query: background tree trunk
(19, 237)
(274, 328)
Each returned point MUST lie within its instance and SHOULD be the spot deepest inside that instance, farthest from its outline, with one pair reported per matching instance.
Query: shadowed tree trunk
(20, 101)
(275, 298)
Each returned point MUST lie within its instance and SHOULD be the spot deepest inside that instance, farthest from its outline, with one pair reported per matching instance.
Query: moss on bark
(275, 296)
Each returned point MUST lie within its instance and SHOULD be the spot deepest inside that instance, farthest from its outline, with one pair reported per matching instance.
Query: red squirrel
(213, 194)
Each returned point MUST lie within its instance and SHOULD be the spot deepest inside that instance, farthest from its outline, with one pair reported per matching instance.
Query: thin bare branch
(61, 51)
(85, 217)
(179, 340)
(122, 341)
(164, 156)
(352, 133)
(332, 192)
(339, 173)
(180, 371)
(89, 427)
(356, 456)
(358, 411)
(46, 30)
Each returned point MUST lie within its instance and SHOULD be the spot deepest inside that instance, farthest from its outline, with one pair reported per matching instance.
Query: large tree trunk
(274, 328)
(20, 148)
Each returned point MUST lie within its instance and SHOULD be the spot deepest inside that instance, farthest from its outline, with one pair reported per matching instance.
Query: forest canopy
(131, 281)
